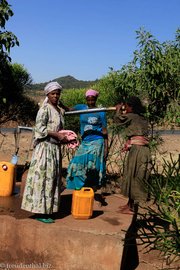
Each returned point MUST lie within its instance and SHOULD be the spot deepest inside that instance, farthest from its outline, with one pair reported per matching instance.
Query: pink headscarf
(92, 92)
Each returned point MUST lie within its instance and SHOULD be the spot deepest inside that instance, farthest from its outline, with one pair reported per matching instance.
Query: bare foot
(122, 207)
(127, 211)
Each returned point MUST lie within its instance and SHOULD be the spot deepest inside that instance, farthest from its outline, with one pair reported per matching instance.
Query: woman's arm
(67, 109)
(105, 135)
(121, 116)
(58, 136)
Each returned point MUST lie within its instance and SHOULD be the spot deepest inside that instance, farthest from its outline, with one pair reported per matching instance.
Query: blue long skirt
(87, 168)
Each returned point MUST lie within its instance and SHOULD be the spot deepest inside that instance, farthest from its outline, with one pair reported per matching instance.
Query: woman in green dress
(137, 167)
(43, 185)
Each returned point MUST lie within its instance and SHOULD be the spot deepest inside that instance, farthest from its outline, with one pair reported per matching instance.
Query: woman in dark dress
(137, 167)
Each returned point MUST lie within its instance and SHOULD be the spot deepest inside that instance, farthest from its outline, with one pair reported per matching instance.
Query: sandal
(45, 220)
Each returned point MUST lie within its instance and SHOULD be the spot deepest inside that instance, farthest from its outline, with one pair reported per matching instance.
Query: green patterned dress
(43, 184)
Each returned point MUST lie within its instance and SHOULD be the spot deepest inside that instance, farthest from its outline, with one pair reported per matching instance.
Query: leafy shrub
(159, 226)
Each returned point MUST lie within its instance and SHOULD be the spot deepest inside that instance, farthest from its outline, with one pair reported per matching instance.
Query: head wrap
(51, 87)
(92, 92)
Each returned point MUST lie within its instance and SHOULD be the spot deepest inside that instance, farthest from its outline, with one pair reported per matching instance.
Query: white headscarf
(51, 87)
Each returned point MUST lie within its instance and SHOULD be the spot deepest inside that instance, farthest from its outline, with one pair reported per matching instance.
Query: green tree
(7, 39)
(13, 77)
(17, 105)
(153, 75)
(118, 85)
(158, 73)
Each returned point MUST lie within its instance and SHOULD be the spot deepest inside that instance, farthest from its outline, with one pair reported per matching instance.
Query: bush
(159, 227)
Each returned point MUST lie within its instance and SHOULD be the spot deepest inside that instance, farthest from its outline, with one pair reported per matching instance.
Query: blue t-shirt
(91, 124)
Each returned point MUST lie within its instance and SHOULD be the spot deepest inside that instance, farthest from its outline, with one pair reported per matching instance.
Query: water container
(14, 159)
(82, 203)
(7, 171)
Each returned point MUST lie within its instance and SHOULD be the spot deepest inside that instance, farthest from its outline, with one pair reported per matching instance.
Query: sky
(84, 38)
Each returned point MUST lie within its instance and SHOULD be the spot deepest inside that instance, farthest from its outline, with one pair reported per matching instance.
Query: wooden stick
(91, 110)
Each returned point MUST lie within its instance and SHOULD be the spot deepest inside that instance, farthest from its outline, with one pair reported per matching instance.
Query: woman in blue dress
(87, 168)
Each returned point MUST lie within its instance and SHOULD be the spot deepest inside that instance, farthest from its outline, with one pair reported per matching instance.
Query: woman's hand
(62, 137)
(106, 153)
(121, 108)
(105, 144)
(63, 106)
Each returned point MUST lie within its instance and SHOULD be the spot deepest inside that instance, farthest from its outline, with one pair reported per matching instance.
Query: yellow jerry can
(7, 171)
(82, 203)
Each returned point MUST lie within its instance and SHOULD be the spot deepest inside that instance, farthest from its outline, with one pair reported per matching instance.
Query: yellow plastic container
(7, 171)
(82, 203)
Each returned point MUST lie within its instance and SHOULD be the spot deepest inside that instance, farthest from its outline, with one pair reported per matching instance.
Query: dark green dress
(137, 167)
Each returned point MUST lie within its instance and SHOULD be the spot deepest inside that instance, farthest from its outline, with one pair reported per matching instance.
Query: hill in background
(67, 82)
